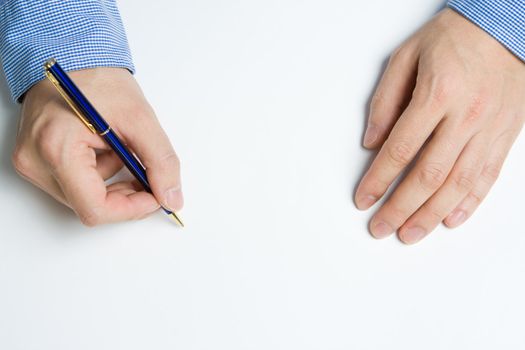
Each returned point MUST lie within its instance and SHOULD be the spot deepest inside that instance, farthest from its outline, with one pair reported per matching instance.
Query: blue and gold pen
(94, 121)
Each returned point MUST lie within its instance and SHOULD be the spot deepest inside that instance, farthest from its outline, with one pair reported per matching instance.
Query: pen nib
(179, 221)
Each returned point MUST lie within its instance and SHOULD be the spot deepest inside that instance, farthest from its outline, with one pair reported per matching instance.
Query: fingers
(35, 171)
(155, 151)
(108, 164)
(85, 190)
(488, 177)
(58, 152)
(126, 186)
(459, 183)
(427, 176)
(391, 96)
(408, 135)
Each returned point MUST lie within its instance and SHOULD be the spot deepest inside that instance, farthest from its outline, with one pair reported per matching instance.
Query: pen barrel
(78, 98)
(97, 124)
(129, 159)
(131, 162)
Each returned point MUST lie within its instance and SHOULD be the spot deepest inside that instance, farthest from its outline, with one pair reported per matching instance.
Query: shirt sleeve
(503, 19)
(78, 33)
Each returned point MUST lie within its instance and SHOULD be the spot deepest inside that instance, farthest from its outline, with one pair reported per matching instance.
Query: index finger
(408, 135)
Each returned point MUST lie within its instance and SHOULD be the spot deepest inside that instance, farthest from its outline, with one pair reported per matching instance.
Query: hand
(56, 152)
(456, 97)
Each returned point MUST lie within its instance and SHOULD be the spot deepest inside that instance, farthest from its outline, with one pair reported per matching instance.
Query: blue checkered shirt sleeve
(503, 19)
(78, 33)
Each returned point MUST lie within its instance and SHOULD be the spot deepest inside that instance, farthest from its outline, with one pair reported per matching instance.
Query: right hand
(57, 153)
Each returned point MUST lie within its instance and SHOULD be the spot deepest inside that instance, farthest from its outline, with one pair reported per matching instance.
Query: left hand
(456, 97)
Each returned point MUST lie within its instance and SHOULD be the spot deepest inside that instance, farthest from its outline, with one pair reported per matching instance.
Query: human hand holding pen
(60, 155)
(454, 86)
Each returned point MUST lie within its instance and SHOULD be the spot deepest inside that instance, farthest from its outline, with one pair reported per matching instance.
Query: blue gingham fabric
(78, 33)
(503, 19)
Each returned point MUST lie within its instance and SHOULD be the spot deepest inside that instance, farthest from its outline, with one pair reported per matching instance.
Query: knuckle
(399, 54)
(491, 172)
(431, 176)
(464, 181)
(400, 153)
(91, 218)
(21, 162)
(440, 89)
(435, 215)
(378, 100)
(47, 130)
(429, 215)
(437, 91)
(396, 214)
(48, 140)
(169, 159)
(377, 187)
(474, 198)
(373, 186)
(381, 104)
(49, 150)
(476, 108)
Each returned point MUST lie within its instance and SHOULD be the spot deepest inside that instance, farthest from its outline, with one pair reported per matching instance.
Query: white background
(265, 103)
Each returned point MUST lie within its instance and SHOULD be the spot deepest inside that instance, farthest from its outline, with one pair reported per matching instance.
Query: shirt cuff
(80, 34)
(502, 19)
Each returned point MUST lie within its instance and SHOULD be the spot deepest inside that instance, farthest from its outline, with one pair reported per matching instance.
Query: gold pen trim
(105, 132)
(71, 104)
(47, 65)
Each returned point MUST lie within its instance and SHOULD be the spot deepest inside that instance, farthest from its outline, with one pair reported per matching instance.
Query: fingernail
(173, 199)
(414, 234)
(381, 230)
(366, 202)
(371, 135)
(456, 218)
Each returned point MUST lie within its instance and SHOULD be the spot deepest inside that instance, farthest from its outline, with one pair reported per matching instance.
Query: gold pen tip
(179, 221)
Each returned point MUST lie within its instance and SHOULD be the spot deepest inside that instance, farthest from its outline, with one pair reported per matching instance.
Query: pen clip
(69, 101)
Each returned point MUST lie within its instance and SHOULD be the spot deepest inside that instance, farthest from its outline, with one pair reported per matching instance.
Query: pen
(94, 121)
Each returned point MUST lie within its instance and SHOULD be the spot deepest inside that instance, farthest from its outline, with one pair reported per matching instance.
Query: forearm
(80, 33)
(502, 19)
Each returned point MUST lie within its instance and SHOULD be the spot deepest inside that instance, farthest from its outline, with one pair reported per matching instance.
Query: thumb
(152, 146)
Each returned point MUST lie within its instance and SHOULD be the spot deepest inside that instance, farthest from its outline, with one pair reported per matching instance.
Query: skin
(449, 106)
(451, 95)
(57, 153)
